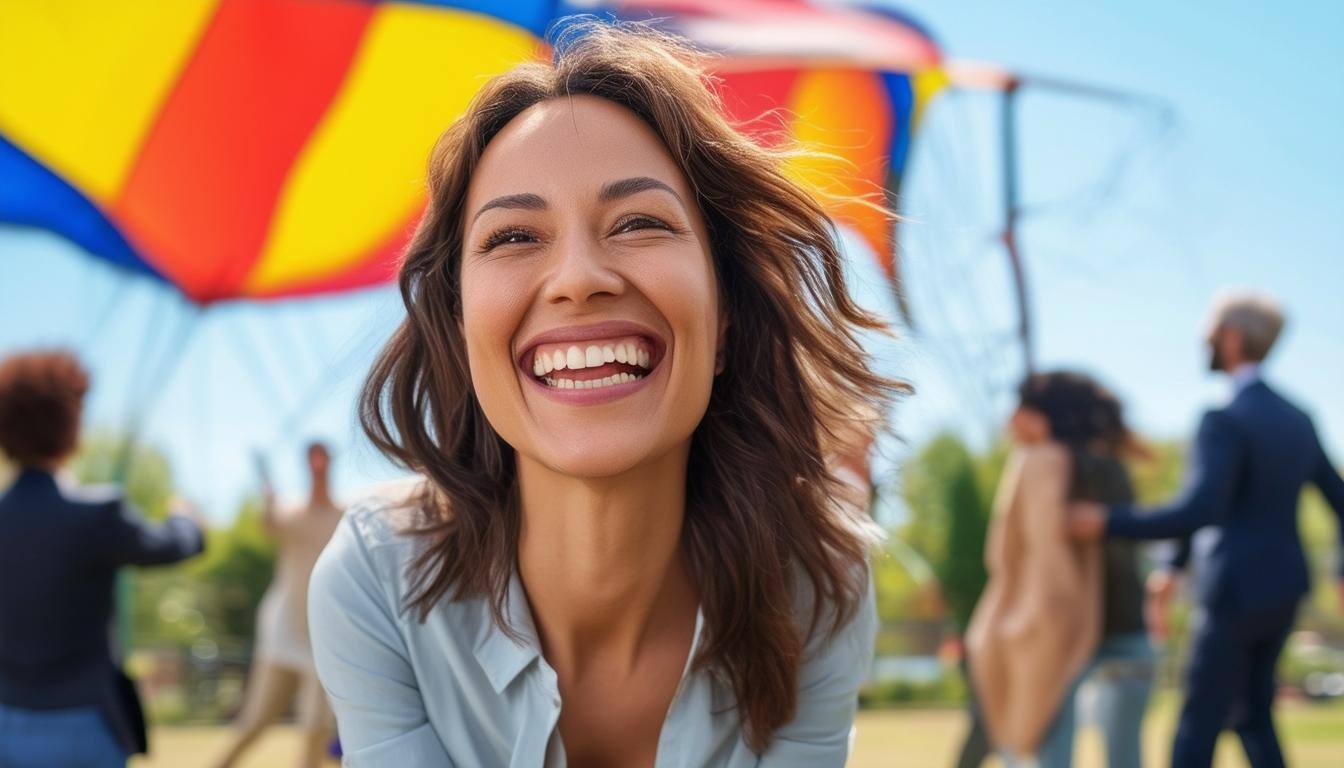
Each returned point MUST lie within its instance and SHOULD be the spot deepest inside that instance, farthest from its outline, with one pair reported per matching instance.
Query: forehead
(568, 147)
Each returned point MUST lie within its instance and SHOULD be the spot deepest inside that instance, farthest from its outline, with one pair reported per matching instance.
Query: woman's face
(589, 300)
(1028, 426)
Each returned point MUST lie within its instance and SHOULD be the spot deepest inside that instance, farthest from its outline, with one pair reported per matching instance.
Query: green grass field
(919, 738)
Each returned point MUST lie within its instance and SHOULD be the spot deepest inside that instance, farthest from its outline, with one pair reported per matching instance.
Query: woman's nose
(579, 273)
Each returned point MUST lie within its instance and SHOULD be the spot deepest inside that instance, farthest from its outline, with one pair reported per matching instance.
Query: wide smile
(594, 363)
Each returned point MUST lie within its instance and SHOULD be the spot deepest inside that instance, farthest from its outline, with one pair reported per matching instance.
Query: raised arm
(1207, 495)
(363, 663)
(126, 538)
(828, 694)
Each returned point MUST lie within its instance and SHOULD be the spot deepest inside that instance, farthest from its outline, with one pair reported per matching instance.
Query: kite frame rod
(972, 75)
(1012, 212)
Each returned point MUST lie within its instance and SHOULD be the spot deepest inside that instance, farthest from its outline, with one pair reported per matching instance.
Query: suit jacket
(1250, 462)
(59, 554)
(1039, 619)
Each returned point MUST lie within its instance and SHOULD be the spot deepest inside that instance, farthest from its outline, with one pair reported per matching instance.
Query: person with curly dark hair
(1069, 436)
(63, 697)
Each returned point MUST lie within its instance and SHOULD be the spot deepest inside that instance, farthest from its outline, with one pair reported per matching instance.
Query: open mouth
(592, 364)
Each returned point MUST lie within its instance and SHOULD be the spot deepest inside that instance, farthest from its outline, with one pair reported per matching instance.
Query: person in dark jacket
(63, 698)
(1238, 518)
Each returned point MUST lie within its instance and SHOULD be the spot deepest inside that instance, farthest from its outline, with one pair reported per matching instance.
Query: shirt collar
(35, 478)
(502, 657)
(1244, 375)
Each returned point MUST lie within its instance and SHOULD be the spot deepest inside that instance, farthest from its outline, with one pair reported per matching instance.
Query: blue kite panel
(532, 15)
(902, 99)
(33, 196)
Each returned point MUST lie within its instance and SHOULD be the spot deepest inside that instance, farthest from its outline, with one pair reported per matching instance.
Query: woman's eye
(633, 223)
(507, 237)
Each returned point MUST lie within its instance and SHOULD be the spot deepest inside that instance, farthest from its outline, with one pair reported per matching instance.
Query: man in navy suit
(1237, 520)
(63, 698)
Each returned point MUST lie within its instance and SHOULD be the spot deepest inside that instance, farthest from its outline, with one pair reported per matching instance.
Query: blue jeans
(57, 738)
(1123, 670)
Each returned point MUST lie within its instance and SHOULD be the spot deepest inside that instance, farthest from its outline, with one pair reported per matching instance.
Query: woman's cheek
(492, 309)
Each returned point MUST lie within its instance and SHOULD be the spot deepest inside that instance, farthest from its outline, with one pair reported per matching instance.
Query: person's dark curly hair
(1081, 412)
(41, 401)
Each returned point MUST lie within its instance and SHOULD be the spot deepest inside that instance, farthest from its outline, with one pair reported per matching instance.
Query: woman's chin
(594, 456)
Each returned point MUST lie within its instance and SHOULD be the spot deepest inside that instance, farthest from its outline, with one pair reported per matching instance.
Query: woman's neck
(601, 560)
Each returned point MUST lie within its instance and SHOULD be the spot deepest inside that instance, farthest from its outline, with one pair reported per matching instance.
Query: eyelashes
(508, 236)
(514, 235)
(642, 221)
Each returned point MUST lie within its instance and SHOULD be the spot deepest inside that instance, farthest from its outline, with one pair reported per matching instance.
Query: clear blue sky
(1245, 188)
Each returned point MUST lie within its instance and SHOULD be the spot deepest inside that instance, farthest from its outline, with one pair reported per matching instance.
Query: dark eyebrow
(526, 201)
(626, 187)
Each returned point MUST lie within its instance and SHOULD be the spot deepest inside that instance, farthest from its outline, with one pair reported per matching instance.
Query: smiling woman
(628, 372)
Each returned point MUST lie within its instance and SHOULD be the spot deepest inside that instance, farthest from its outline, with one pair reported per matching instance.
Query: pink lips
(580, 333)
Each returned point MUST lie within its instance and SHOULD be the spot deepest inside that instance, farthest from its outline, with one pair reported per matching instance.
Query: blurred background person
(1069, 437)
(282, 663)
(64, 700)
(1251, 460)
(1087, 417)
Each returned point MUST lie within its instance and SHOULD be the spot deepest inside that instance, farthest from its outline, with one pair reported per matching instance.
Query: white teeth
(575, 357)
(606, 381)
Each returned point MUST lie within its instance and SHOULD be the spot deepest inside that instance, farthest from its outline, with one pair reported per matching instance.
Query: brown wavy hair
(762, 506)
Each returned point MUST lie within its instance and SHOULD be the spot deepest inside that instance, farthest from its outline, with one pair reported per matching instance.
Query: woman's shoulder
(373, 544)
(1047, 458)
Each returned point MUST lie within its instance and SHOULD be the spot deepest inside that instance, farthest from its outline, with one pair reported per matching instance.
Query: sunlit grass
(1313, 737)
(919, 738)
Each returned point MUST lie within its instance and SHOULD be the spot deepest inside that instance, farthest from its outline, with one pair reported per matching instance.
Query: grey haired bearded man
(1236, 523)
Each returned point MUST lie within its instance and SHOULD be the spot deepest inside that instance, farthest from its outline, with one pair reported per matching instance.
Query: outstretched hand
(1086, 521)
(188, 509)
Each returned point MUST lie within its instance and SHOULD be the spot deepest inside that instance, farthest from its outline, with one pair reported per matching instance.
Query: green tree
(947, 491)
(148, 484)
(962, 572)
(925, 479)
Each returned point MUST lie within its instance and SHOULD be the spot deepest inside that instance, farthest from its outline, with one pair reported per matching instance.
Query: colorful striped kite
(272, 148)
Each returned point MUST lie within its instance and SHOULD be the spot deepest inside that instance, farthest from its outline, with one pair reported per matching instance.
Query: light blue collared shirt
(1244, 376)
(456, 691)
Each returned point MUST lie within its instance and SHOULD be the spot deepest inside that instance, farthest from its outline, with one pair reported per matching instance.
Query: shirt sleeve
(1326, 478)
(1208, 495)
(828, 695)
(126, 538)
(363, 663)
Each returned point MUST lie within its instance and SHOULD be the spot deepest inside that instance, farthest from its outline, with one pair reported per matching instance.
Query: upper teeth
(575, 357)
